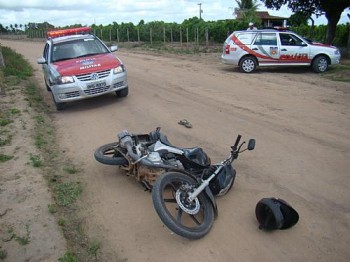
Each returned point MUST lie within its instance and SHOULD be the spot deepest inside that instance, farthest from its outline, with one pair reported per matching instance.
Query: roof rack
(69, 31)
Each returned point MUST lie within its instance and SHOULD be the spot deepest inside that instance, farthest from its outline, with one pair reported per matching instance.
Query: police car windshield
(77, 48)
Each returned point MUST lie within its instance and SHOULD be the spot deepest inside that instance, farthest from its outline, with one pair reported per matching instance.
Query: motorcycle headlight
(119, 69)
(64, 80)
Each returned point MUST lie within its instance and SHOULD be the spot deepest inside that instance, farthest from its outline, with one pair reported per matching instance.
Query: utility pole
(200, 11)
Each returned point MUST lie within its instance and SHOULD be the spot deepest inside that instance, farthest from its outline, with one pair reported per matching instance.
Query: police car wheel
(320, 64)
(248, 64)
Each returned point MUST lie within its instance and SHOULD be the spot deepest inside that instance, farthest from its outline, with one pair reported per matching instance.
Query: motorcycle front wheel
(109, 155)
(189, 219)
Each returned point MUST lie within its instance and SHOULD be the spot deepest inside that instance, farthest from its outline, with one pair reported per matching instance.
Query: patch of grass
(5, 121)
(40, 119)
(34, 96)
(14, 111)
(68, 257)
(339, 72)
(52, 208)
(39, 141)
(36, 160)
(61, 222)
(94, 248)
(67, 193)
(71, 170)
(4, 158)
(23, 240)
(6, 140)
(3, 253)
(15, 63)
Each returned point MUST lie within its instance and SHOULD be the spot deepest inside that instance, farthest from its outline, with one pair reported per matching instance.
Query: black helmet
(273, 213)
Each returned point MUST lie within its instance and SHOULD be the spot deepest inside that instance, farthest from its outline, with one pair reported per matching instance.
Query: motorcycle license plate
(96, 85)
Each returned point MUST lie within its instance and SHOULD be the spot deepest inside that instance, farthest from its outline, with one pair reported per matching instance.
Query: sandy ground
(299, 119)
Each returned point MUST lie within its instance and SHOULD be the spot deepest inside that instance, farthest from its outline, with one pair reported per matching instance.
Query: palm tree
(247, 5)
(246, 10)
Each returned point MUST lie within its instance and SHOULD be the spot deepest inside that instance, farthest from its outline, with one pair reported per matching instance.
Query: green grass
(3, 253)
(68, 257)
(5, 138)
(339, 72)
(67, 193)
(70, 169)
(36, 160)
(52, 208)
(62, 222)
(40, 140)
(16, 65)
(4, 158)
(94, 248)
(23, 240)
(5, 121)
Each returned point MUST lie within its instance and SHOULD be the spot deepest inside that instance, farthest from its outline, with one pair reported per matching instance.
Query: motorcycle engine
(155, 158)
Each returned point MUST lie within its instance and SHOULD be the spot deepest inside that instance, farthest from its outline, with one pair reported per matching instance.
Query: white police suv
(276, 47)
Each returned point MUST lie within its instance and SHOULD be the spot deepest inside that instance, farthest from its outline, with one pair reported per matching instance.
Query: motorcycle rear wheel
(107, 154)
(169, 195)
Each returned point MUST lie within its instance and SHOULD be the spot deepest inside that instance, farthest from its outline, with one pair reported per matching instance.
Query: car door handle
(283, 49)
(255, 49)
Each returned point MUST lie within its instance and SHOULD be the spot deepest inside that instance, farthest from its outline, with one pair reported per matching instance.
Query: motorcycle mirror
(251, 144)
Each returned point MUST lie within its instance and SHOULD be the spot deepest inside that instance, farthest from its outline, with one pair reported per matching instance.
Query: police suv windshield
(77, 48)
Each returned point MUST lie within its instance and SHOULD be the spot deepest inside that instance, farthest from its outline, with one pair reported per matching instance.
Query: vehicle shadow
(92, 103)
(276, 70)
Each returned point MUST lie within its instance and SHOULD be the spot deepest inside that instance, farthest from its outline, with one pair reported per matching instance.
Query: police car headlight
(119, 69)
(336, 52)
(64, 80)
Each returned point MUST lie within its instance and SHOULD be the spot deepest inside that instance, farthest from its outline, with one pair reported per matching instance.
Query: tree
(332, 9)
(298, 19)
(247, 11)
(245, 5)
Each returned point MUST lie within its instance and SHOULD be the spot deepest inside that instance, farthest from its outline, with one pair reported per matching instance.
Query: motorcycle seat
(197, 155)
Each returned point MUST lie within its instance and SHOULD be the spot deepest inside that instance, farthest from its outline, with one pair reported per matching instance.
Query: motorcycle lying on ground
(182, 180)
(147, 156)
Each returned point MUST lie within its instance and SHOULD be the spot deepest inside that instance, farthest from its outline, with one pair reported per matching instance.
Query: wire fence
(181, 36)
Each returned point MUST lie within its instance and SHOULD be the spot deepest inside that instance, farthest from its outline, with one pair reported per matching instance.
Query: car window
(245, 37)
(266, 39)
(77, 48)
(291, 40)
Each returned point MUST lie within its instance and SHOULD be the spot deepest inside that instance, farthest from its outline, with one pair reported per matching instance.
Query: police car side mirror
(41, 61)
(303, 44)
(113, 48)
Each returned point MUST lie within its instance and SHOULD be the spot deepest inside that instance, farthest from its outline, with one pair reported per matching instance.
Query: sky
(88, 12)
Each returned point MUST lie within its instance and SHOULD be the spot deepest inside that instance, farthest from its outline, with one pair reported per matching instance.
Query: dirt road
(300, 120)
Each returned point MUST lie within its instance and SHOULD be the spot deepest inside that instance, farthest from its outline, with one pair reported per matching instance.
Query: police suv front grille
(87, 77)
(97, 90)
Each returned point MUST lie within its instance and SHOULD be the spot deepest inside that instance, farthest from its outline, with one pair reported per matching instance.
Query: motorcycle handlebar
(237, 141)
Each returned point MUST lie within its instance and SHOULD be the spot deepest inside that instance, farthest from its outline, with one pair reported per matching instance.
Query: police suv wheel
(248, 64)
(320, 64)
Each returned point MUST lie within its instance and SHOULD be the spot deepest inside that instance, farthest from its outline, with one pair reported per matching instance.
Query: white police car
(273, 47)
(78, 65)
